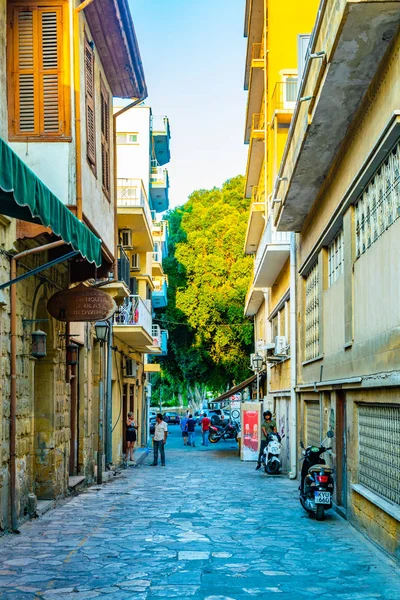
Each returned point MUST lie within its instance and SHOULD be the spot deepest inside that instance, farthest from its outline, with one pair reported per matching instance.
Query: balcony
(161, 135)
(134, 213)
(253, 30)
(256, 153)
(255, 224)
(124, 267)
(273, 251)
(256, 86)
(157, 268)
(254, 299)
(133, 323)
(164, 342)
(284, 99)
(348, 43)
(155, 347)
(160, 292)
(160, 235)
(159, 185)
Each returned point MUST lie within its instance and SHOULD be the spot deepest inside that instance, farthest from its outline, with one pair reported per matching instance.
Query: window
(127, 138)
(89, 98)
(289, 90)
(312, 314)
(378, 449)
(38, 106)
(379, 204)
(335, 258)
(105, 138)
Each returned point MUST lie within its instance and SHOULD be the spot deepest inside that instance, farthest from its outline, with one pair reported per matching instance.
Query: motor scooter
(316, 486)
(270, 459)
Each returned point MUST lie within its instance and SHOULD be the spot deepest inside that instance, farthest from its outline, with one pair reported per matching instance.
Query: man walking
(159, 440)
(191, 425)
(205, 428)
(183, 424)
(267, 426)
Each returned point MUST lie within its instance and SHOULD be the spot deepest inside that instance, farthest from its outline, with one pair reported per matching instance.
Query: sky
(193, 54)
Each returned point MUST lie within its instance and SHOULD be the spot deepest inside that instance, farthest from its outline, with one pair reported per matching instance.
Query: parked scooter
(229, 432)
(316, 487)
(270, 459)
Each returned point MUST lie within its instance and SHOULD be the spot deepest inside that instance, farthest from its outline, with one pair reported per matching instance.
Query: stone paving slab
(205, 527)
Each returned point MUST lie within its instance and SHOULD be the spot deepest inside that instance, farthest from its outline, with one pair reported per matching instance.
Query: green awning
(23, 196)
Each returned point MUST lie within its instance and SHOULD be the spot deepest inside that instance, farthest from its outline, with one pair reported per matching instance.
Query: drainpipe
(293, 360)
(13, 369)
(108, 419)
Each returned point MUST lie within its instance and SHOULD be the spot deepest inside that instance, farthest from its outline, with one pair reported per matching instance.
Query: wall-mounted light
(39, 344)
(101, 328)
(72, 354)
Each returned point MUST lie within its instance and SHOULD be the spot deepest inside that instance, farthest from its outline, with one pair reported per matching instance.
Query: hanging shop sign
(81, 303)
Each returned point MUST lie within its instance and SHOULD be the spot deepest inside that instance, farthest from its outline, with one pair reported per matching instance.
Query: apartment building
(61, 63)
(277, 39)
(338, 187)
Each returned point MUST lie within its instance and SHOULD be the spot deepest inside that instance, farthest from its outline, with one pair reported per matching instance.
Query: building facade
(277, 38)
(339, 189)
(58, 74)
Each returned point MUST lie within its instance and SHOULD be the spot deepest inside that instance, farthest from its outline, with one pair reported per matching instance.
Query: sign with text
(81, 303)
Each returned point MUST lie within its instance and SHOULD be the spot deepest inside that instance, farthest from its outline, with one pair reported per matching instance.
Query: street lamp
(257, 363)
(101, 328)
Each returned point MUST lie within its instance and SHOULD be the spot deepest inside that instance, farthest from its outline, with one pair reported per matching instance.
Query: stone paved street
(205, 527)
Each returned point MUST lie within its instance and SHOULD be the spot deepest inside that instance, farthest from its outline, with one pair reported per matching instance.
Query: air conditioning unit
(135, 262)
(280, 346)
(130, 368)
(125, 237)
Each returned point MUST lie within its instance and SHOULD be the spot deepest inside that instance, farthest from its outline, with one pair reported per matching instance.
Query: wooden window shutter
(38, 102)
(105, 138)
(90, 96)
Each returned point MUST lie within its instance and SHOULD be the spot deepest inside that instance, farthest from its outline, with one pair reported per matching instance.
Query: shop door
(341, 460)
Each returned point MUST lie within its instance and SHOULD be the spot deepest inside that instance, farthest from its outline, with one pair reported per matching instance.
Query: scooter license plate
(322, 498)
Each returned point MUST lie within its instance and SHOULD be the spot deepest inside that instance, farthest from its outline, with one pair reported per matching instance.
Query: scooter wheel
(213, 439)
(320, 514)
(273, 468)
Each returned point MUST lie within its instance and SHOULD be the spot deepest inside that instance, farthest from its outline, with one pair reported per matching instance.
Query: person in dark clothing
(130, 438)
(268, 425)
(191, 426)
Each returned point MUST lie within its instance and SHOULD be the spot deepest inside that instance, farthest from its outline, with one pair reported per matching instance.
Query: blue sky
(193, 55)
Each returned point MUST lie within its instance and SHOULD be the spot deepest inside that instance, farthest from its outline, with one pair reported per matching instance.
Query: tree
(209, 338)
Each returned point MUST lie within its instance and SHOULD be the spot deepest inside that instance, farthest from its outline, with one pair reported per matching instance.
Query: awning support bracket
(56, 261)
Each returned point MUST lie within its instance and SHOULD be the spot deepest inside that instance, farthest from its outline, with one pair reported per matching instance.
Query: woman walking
(130, 438)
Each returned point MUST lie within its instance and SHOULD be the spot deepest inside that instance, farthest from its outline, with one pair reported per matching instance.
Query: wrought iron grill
(312, 423)
(379, 205)
(335, 258)
(379, 450)
(312, 313)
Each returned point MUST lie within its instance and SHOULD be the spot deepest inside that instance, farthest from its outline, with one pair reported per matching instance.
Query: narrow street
(205, 527)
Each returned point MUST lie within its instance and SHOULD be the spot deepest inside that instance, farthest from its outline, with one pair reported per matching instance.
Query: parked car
(152, 424)
(152, 413)
(214, 415)
(172, 418)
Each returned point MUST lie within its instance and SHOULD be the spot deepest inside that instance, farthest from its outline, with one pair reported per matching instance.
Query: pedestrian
(183, 424)
(205, 428)
(159, 440)
(267, 426)
(191, 426)
(130, 436)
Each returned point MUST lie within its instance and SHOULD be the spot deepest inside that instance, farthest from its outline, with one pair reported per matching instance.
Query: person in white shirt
(159, 440)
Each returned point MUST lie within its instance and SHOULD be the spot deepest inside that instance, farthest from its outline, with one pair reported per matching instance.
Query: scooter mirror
(330, 434)
(301, 444)
(303, 452)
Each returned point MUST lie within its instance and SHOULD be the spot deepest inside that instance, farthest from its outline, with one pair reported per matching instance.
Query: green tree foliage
(210, 340)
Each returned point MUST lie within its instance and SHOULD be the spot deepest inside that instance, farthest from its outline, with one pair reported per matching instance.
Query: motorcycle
(228, 432)
(270, 459)
(316, 486)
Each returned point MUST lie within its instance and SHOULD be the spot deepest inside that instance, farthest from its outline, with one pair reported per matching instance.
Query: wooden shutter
(105, 138)
(90, 96)
(38, 99)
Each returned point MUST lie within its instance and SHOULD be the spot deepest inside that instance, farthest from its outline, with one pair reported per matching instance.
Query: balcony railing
(159, 176)
(257, 51)
(157, 257)
(124, 268)
(131, 193)
(135, 312)
(258, 122)
(160, 283)
(285, 95)
(156, 333)
(270, 236)
(160, 125)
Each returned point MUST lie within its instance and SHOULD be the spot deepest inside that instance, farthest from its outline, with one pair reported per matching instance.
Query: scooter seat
(317, 468)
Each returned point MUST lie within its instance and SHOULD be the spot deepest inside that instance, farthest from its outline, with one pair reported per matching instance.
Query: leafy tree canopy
(209, 338)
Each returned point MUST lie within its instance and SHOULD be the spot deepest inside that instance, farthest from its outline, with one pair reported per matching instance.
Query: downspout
(265, 106)
(13, 373)
(108, 419)
(293, 360)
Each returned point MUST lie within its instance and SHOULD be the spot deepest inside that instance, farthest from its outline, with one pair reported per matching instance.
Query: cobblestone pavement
(205, 527)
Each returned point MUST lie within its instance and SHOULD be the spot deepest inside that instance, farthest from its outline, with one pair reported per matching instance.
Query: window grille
(335, 258)
(312, 314)
(379, 205)
(379, 450)
(312, 423)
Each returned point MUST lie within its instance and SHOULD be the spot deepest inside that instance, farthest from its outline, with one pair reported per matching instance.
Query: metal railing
(160, 124)
(156, 333)
(285, 95)
(257, 51)
(160, 283)
(157, 257)
(159, 176)
(135, 311)
(131, 193)
(270, 236)
(124, 267)
(258, 122)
